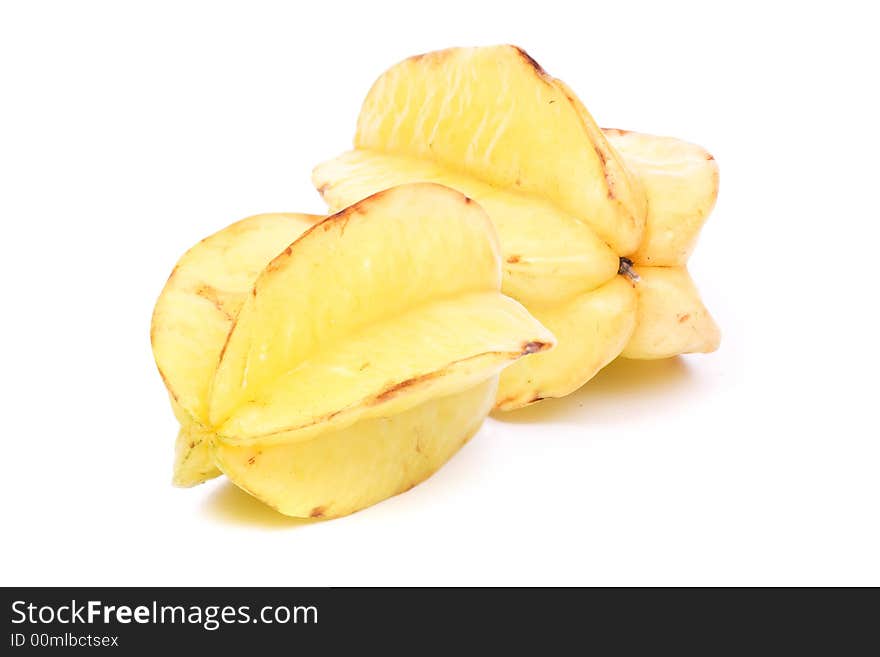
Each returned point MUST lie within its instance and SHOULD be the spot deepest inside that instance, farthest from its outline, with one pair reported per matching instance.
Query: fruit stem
(626, 269)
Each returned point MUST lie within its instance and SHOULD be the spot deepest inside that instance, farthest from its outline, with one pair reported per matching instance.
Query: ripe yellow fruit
(681, 182)
(581, 212)
(194, 314)
(325, 371)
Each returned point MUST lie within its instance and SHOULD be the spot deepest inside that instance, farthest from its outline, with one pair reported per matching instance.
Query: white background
(128, 131)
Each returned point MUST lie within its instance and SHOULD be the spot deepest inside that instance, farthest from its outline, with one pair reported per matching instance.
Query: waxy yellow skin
(568, 199)
(193, 317)
(324, 365)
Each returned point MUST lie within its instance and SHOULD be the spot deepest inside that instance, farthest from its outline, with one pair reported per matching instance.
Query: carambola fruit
(326, 364)
(595, 226)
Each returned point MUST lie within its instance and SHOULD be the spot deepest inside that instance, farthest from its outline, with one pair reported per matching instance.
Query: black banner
(130, 621)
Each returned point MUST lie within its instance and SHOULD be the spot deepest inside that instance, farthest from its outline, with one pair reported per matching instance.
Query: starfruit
(595, 225)
(324, 365)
